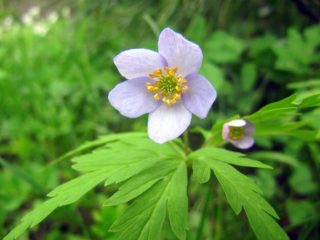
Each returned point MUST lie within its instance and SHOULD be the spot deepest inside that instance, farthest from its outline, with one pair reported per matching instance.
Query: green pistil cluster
(168, 85)
(236, 133)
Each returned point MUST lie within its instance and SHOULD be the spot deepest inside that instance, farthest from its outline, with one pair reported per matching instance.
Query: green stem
(83, 224)
(204, 212)
(217, 228)
(186, 142)
(209, 142)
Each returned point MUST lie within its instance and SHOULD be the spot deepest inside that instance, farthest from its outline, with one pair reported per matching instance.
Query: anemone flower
(164, 84)
(239, 133)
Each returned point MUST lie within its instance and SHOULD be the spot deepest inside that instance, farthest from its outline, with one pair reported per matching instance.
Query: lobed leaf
(111, 164)
(219, 154)
(201, 172)
(144, 218)
(242, 193)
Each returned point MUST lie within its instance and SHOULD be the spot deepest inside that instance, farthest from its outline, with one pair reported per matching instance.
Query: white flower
(40, 29)
(34, 11)
(7, 22)
(239, 133)
(53, 17)
(27, 19)
(164, 84)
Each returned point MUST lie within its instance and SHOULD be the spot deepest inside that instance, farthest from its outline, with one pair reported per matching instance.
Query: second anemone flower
(165, 84)
(239, 132)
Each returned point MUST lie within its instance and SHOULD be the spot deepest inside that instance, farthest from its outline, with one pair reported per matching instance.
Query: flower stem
(186, 142)
(204, 212)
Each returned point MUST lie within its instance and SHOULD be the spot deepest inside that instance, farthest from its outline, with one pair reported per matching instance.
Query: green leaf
(178, 202)
(242, 192)
(310, 83)
(103, 140)
(201, 172)
(248, 76)
(62, 195)
(279, 118)
(110, 164)
(144, 218)
(260, 45)
(141, 214)
(275, 157)
(214, 74)
(138, 184)
(266, 181)
(197, 29)
(301, 211)
(301, 180)
(224, 48)
(219, 154)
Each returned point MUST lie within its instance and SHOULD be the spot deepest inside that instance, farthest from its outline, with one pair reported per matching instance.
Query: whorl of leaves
(153, 180)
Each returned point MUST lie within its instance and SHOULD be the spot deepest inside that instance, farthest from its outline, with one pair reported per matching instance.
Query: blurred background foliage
(56, 69)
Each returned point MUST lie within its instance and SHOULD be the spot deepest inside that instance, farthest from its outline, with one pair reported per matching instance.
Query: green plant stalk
(217, 228)
(186, 142)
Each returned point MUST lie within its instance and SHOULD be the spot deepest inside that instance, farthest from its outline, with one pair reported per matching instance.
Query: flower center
(167, 85)
(236, 133)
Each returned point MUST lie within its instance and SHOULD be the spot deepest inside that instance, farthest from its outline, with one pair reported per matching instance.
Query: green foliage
(241, 191)
(135, 167)
(301, 212)
(279, 118)
(53, 87)
(223, 48)
(299, 51)
(301, 180)
(145, 216)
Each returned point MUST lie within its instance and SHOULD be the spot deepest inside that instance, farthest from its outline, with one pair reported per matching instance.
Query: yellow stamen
(164, 99)
(157, 96)
(167, 85)
(177, 96)
(157, 73)
(150, 88)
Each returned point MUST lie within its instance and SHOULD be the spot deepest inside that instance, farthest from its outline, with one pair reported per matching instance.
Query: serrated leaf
(133, 221)
(219, 154)
(144, 218)
(103, 140)
(263, 225)
(279, 118)
(276, 157)
(110, 164)
(63, 195)
(138, 184)
(242, 192)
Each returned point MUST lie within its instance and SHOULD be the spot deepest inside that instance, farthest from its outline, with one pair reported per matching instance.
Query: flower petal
(132, 99)
(140, 62)
(179, 52)
(250, 128)
(237, 123)
(244, 143)
(200, 96)
(225, 132)
(168, 122)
